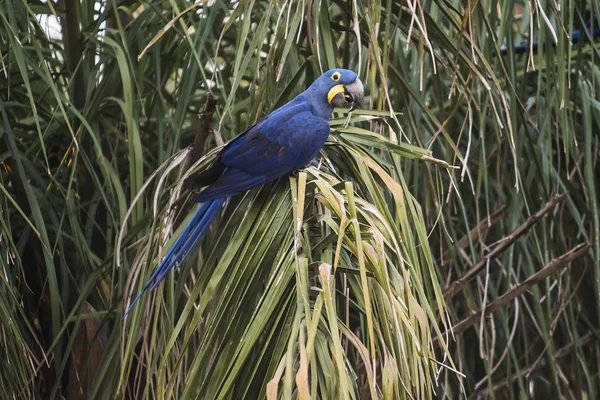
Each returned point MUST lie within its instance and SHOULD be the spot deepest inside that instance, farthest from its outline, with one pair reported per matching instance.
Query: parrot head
(341, 87)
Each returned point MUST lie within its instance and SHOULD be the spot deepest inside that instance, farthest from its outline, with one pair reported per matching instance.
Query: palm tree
(445, 243)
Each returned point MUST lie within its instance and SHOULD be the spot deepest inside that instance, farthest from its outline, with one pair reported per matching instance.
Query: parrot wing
(275, 147)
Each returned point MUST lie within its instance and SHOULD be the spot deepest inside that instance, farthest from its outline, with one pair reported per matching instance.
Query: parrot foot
(319, 165)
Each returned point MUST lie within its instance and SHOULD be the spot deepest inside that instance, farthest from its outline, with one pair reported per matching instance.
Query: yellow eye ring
(336, 76)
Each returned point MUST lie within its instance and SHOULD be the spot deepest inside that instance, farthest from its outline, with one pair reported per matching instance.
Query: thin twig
(508, 240)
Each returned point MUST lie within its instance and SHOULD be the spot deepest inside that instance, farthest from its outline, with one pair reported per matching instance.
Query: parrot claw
(319, 165)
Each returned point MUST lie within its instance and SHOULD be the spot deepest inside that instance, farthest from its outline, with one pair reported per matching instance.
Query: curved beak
(356, 91)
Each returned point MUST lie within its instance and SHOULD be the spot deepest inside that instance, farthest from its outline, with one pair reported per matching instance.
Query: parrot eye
(336, 76)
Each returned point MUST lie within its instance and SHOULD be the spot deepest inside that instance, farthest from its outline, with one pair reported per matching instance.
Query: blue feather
(576, 36)
(184, 244)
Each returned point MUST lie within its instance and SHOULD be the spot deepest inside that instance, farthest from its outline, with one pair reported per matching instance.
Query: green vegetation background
(448, 244)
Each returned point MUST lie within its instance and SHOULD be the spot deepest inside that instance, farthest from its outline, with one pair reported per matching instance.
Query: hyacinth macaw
(282, 142)
(590, 30)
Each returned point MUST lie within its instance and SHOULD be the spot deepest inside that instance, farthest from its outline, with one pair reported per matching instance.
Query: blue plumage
(284, 141)
(591, 30)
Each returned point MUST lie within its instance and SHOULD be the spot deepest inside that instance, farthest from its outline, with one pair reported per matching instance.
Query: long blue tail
(184, 244)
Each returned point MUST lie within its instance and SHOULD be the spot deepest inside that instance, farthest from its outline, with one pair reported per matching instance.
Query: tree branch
(203, 129)
(460, 283)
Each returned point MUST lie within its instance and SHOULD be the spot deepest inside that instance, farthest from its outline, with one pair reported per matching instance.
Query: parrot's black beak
(347, 96)
(354, 93)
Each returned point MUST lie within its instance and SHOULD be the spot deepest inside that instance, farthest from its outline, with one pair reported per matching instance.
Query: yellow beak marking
(334, 90)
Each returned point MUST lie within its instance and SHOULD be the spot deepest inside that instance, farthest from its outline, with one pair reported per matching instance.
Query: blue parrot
(282, 142)
(591, 30)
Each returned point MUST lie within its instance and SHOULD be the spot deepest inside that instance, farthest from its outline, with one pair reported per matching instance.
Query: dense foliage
(446, 243)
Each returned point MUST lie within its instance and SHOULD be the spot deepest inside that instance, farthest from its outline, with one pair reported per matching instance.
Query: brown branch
(476, 233)
(73, 50)
(309, 26)
(202, 132)
(521, 288)
(506, 242)
(203, 129)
